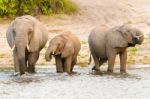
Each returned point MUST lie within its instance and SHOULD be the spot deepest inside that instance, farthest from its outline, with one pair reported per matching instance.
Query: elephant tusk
(13, 48)
(138, 37)
(28, 47)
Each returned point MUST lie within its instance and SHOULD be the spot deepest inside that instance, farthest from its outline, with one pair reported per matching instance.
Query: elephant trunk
(50, 51)
(139, 39)
(48, 55)
(20, 52)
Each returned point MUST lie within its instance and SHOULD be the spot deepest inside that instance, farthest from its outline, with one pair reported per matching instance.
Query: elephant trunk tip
(48, 57)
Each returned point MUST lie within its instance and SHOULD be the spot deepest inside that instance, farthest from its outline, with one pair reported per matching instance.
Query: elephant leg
(67, 64)
(111, 62)
(96, 61)
(101, 61)
(26, 59)
(123, 61)
(16, 63)
(59, 64)
(32, 59)
(73, 63)
(63, 64)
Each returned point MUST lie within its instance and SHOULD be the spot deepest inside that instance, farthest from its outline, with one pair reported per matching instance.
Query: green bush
(34, 7)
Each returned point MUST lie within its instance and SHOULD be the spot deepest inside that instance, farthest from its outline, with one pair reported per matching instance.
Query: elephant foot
(16, 74)
(26, 74)
(95, 69)
(69, 73)
(31, 72)
(109, 71)
(123, 71)
(97, 73)
(73, 72)
(59, 71)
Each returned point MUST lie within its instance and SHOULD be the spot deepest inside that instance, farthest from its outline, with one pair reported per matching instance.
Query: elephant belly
(97, 43)
(100, 52)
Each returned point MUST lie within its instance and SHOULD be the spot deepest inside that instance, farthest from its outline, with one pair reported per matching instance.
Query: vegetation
(132, 55)
(34, 7)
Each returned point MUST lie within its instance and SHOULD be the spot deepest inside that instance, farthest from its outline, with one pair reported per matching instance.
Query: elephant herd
(27, 37)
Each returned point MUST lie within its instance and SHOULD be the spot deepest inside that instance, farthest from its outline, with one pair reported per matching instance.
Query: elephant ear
(34, 41)
(39, 36)
(116, 38)
(10, 35)
(68, 50)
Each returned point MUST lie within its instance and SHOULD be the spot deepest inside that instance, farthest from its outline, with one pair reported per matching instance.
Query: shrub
(34, 7)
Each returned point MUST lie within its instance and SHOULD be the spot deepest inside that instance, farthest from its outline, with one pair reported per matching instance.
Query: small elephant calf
(65, 48)
(105, 45)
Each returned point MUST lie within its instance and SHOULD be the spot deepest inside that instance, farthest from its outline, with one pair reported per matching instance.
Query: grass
(6, 68)
(2, 55)
(83, 42)
(81, 60)
(132, 55)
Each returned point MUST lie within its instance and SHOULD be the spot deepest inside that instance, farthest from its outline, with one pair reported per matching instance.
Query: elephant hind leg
(101, 61)
(32, 59)
(96, 61)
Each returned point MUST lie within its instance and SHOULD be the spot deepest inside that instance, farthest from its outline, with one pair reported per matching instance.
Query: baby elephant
(65, 48)
(105, 45)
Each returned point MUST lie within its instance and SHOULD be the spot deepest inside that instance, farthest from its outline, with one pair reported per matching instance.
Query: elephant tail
(90, 59)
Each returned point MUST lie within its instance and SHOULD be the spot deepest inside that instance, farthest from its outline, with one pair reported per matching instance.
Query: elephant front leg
(111, 62)
(59, 64)
(123, 61)
(73, 63)
(16, 63)
(32, 59)
(67, 64)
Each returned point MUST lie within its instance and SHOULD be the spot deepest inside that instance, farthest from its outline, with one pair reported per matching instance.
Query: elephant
(26, 36)
(65, 48)
(104, 45)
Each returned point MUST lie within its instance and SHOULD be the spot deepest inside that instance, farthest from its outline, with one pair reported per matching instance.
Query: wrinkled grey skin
(105, 45)
(65, 48)
(26, 36)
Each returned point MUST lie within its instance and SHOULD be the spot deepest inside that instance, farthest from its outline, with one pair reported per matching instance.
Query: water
(46, 84)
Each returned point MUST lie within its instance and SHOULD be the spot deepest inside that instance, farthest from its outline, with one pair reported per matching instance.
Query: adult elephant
(26, 36)
(105, 45)
(65, 48)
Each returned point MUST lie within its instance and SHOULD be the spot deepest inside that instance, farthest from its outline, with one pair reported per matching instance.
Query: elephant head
(23, 32)
(125, 36)
(59, 45)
